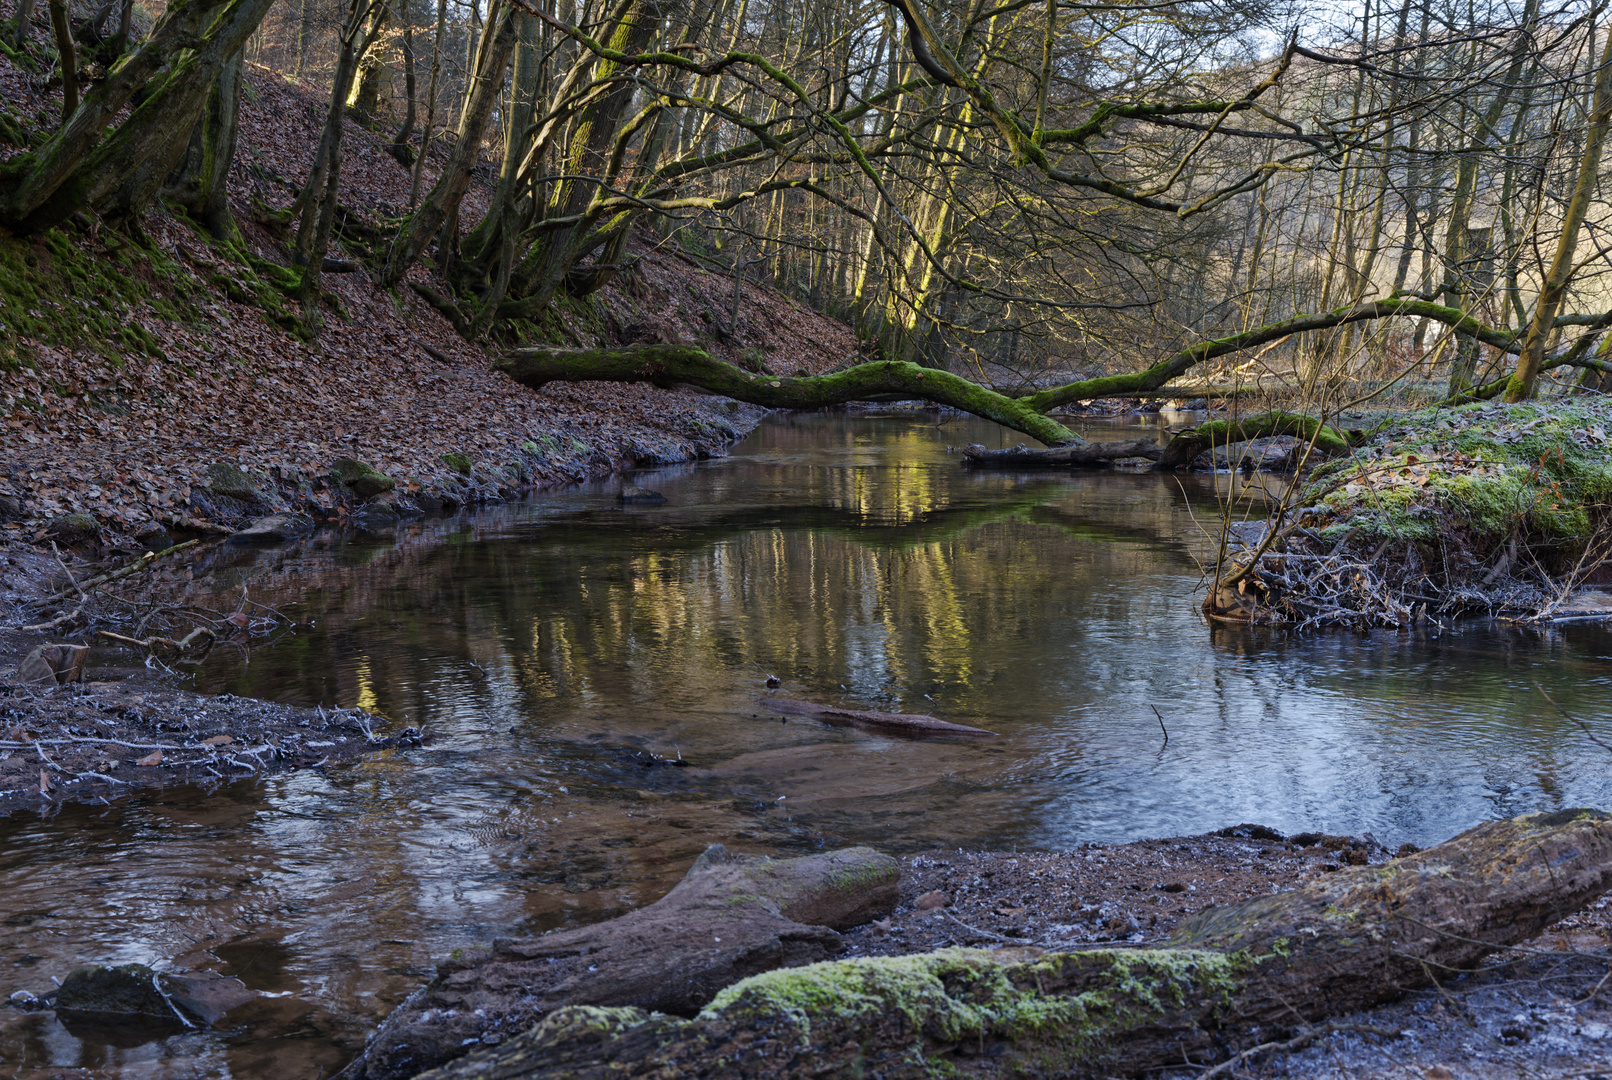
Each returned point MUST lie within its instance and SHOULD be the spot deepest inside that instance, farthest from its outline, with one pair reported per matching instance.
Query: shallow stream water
(592, 679)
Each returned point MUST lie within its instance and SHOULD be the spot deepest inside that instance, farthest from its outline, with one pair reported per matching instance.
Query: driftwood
(1057, 456)
(885, 723)
(1229, 978)
(732, 916)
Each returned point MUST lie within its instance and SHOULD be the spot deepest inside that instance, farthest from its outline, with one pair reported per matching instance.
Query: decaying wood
(1228, 979)
(883, 722)
(200, 635)
(732, 916)
(1055, 456)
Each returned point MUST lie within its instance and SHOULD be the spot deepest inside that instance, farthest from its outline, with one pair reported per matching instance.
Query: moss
(459, 463)
(1542, 468)
(363, 480)
(1060, 1009)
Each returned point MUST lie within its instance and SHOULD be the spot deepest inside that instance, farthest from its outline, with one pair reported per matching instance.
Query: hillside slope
(133, 366)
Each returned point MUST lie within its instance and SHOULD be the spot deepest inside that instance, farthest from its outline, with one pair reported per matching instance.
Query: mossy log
(1184, 448)
(668, 365)
(1061, 456)
(1228, 978)
(730, 917)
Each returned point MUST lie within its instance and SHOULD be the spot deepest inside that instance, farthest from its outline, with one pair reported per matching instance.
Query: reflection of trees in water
(882, 578)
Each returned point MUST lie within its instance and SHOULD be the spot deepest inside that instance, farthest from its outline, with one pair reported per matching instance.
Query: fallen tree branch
(122, 572)
(1228, 980)
(151, 644)
(1187, 445)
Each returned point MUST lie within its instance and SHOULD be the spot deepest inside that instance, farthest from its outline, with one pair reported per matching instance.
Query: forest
(737, 538)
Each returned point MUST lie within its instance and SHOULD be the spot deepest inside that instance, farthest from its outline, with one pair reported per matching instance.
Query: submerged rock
(633, 495)
(274, 529)
(127, 990)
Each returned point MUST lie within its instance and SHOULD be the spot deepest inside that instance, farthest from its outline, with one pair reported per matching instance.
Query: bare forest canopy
(1041, 200)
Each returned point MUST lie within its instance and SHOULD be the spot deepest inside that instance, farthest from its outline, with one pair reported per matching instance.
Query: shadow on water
(593, 681)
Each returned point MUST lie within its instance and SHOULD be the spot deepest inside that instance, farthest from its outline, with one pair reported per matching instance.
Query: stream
(592, 680)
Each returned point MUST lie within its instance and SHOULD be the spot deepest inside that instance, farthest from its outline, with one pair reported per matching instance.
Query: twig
(60, 620)
(1162, 728)
(1298, 1042)
(65, 592)
(113, 575)
(151, 643)
(976, 930)
(1573, 718)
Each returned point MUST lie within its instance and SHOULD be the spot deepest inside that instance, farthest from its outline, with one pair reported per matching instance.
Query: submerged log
(1056, 456)
(885, 723)
(730, 917)
(1229, 978)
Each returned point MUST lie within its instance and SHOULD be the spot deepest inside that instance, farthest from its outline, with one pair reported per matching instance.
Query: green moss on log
(668, 365)
(1187, 445)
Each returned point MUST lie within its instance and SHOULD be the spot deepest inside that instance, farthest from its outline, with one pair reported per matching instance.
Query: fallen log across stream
(1229, 978)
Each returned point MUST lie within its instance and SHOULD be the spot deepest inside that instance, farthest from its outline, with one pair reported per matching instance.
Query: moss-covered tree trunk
(1187, 445)
(1228, 978)
(88, 160)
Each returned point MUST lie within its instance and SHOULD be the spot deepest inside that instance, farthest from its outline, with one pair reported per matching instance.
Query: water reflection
(558, 651)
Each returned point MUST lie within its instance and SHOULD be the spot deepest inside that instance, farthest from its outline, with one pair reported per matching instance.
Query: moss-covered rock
(74, 529)
(459, 463)
(362, 480)
(229, 479)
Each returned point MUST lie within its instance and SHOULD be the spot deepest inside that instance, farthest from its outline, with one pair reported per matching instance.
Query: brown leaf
(153, 758)
(217, 740)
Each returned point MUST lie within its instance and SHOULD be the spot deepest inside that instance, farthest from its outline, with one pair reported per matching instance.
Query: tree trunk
(1560, 274)
(430, 104)
(80, 166)
(667, 365)
(1228, 978)
(201, 182)
(1187, 445)
(444, 198)
(730, 917)
(401, 150)
(67, 56)
(1060, 457)
(25, 24)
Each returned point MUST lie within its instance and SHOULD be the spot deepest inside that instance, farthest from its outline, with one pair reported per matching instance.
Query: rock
(153, 536)
(11, 507)
(361, 479)
(376, 517)
(459, 463)
(53, 665)
(74, 529)
(129, 990)
(206, 995)
(274, 529)
(633, 495)
(228, 479)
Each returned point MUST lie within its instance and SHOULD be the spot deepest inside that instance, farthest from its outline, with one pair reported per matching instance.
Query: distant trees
(1035, 194)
